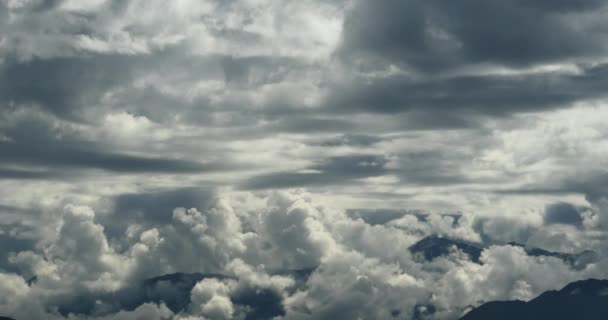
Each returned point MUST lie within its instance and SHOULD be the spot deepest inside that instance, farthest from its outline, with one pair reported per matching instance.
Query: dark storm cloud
(436, 35)
(594, 186)
(465, 97)
(34, 143)
(73, 88)
(28, 174)
(65, 156)
(563, 213)
(335, 170)
(440, 39)
(63, 86)
(43, 5)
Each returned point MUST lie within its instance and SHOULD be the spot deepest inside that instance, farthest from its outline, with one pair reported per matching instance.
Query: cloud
(465, 97)
(563, 213)
(150, 209)
(57, 148)
(13, 289)
(434, 35)
(62, 85)
(150, 152)
(210, 299)
(334, 170)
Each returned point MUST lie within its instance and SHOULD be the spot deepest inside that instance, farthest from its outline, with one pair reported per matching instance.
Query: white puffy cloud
(143, 312)
(359, 269)
(360, 288)
(210, 299)
(13, 289)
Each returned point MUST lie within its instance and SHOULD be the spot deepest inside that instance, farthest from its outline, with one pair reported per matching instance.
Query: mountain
(587, 299)
(174, 290)
(576, 260)
(6, 318)
(435, 246)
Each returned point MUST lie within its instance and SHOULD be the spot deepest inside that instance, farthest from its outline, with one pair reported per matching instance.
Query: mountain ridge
(584, 299)
(435, 246)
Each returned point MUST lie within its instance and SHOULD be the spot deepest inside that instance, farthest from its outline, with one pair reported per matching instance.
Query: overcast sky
(247, 137)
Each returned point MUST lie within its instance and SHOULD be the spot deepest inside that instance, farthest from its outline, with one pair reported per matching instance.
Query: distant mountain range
(260, 303)
(174, 290)
(435, 246)
(585, 300)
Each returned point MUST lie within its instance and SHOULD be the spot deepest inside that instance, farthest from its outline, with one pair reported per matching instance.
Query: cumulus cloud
(247, 257)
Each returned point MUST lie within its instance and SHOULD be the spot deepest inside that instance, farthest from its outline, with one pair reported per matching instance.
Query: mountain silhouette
(586, 299)
(435, 246)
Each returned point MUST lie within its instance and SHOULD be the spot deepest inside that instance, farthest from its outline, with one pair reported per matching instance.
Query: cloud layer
(247, 243)
(292, 151)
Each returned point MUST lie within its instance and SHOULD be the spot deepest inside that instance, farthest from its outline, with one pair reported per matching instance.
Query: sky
(251, 138)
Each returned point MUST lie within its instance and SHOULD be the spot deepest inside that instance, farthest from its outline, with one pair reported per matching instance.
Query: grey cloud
(28, 174)
(64, 86)
(564, 213)
(423, 168)
(69, 157)
(381, 216)
(58, 155)
(352, 140)
(306, 124)
(73, 87)
(10, 244)
(151, 209)
(158, 206)
(465, 97)
(592, 184)
(335, 170)
(42, 5)
(258, 70)
(436, 35)
(439, 40)
(431, 168)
